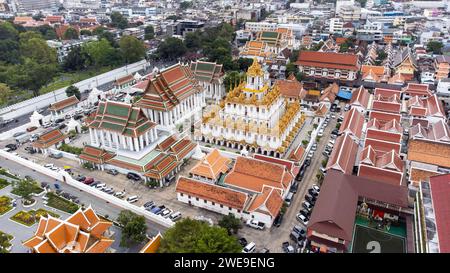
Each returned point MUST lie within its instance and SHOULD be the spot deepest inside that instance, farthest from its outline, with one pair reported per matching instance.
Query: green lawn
(60, 203)
(67, 79)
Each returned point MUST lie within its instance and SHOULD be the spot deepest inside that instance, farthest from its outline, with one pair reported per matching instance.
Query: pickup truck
(255, 224)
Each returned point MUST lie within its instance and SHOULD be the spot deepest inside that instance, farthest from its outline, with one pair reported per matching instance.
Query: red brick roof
(49, 138)
(353, 123)
(343, 156)
(70, 101)
(328, 60)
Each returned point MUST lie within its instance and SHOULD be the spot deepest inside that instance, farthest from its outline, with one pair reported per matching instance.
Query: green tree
(193, 41)
(244, 63)
(99, 30)
(230, 223)
(291, 68)
(31, 75)
(192, 236)
(7, 31)
(185, 5)
(294, 55)
(9, 51)
(70, 34)
(5, 242)
(75, 60)
(232, 79)
(171, 48)
(109, 37)
(149, 32)
(435, 47)
(100, 53)
(37, 50)
(47, 32)
(24, 188)
(5, 93)
(118, 20)
(28, 35)
(73, 90)
(133, 228)
(86, 32)
(132, 49)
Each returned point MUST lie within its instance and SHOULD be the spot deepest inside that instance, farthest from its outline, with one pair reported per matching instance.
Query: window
(205, 201)
(213, 203)
(196, 198)
(229, 208)
(221, 205)
(189, 197)
(181, 194)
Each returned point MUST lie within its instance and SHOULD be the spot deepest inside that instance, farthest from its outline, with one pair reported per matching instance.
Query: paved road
(23, 119)
(101, 206)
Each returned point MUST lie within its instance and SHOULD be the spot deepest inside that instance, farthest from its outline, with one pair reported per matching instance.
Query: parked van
(250, 248)
(175, 216)
(288, 198)
(132, 199)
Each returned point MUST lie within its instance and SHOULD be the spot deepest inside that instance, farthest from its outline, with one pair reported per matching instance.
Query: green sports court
(370, 240)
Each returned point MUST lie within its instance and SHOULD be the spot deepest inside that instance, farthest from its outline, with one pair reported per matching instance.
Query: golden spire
(255, 69)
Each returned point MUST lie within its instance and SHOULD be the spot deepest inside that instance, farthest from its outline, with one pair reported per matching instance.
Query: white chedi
(198, 154)
(36, 119)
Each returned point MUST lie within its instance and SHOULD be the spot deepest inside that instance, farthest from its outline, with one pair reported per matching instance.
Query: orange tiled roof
(328, 60)
(212, 165)
(211, 192)
(433, 153)
(81, 232)
(152, 245)
(269, 201)
(49, 138)
(291, 88)
(253, 174)
(70, 101)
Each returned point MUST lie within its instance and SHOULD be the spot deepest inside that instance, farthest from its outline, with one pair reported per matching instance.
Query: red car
(88, 180)
(30, 129)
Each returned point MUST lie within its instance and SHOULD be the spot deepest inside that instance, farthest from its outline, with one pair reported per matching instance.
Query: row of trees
(187, 236)
(28, 63)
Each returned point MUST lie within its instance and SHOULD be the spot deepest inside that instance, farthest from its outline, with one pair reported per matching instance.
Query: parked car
(80, 178)
(166, 213)
(59, 120)
(156, 210)
(133, 176)
(264, 250)
(77, 117)
(295, 236)
(31, 129)
(119, 194)
(100, 186)
(149, 204)
(132, 199)
(305, 212)
(313, 192)
(175, 216)
(323, 170)
(62, 126)
(287, 248)
(310, 199)
(335, 132)
(88, 180)
(320, 133)
(278, 220)
(255, 224)
(307, 205)
(314, 147)
(112, 171)
(250, 248)
(11, 147)
(18, 134)
(316, 188)
(294, 187)
(243, 242)
(302, 218)
(50, 165)
(307, 162)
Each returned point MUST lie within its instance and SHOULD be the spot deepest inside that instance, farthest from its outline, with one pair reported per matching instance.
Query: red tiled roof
(328, 60)
(49, 138)
(360, 97)
(343, 156)
(440, 193)
(352, 123)
(382, 146)
(384, 117)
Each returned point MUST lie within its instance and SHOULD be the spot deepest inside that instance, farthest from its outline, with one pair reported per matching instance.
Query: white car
(166, 213)
(250, 248)
(320, 133)
(302, 219)
(315, 187)
(311, 154)
(314, 147)
(255, 224)
(101, 186)
(119, 194)
(48, 166)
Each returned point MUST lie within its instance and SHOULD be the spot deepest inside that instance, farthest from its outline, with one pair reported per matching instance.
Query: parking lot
(274, 237)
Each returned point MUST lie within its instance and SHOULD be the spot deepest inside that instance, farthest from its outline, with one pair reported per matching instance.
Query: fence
(65, 177)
